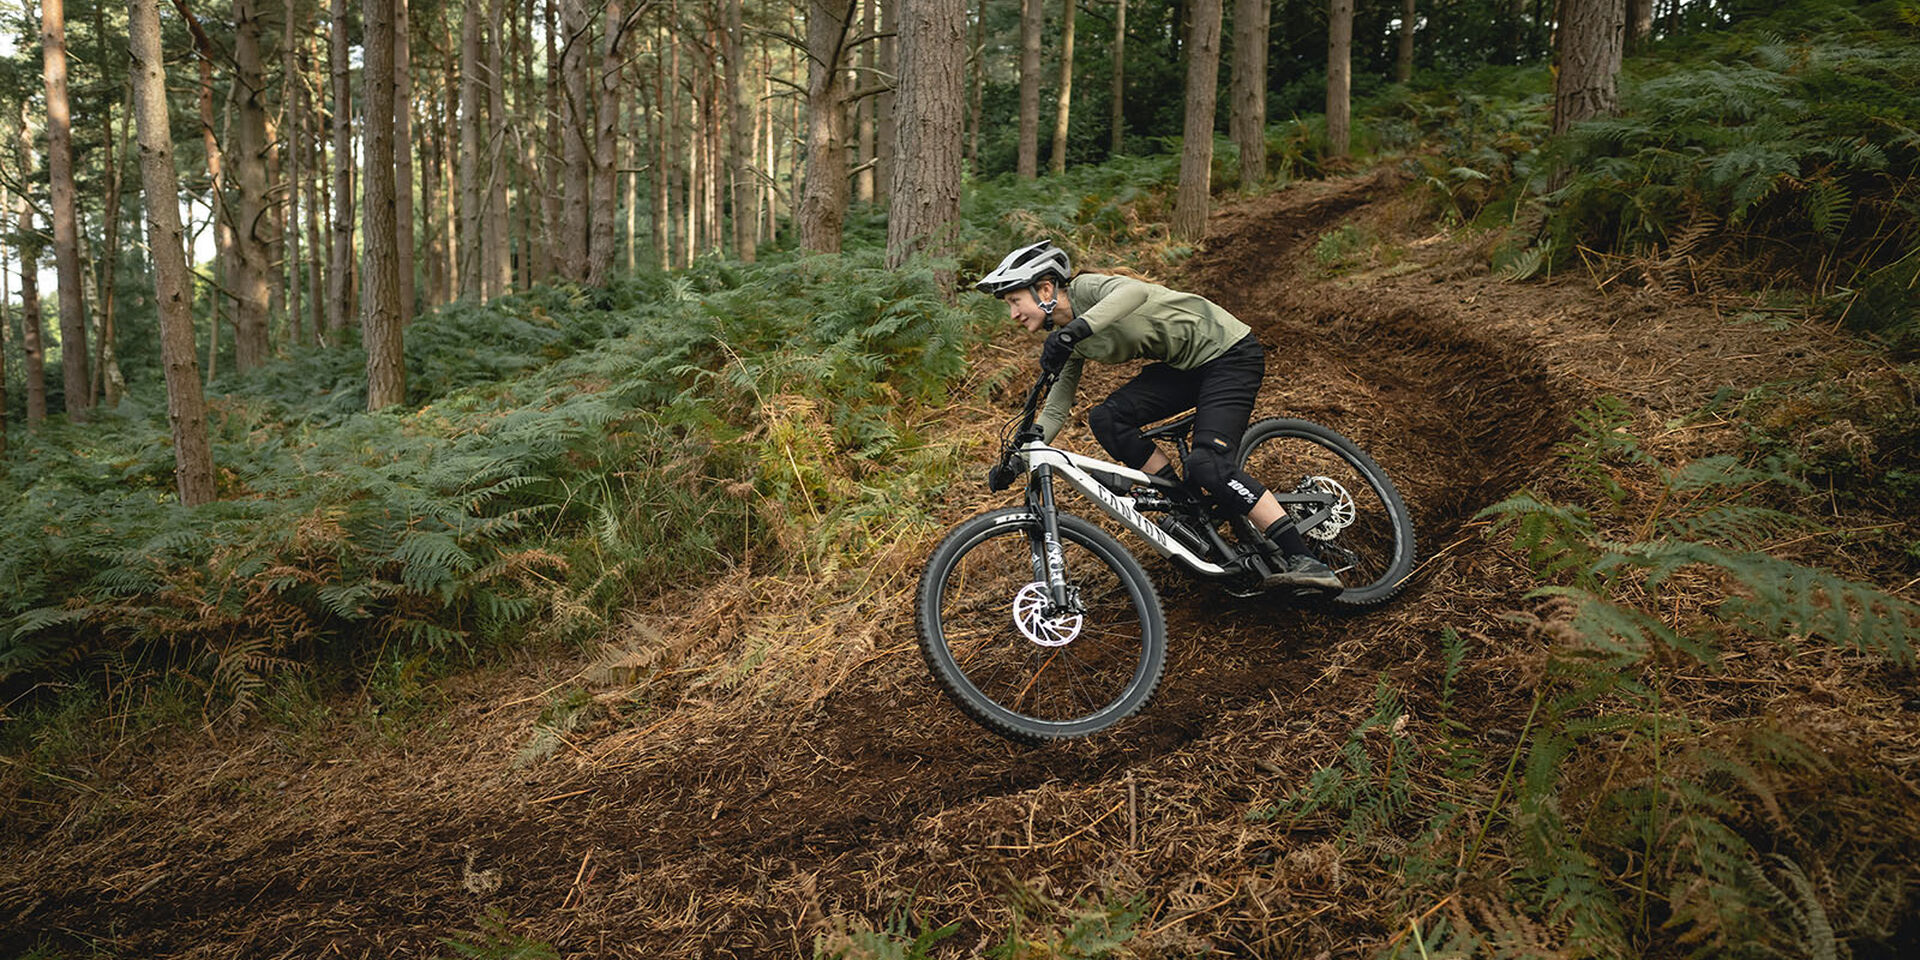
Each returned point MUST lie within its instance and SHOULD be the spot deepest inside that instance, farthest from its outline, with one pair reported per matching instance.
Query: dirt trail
(745, 841)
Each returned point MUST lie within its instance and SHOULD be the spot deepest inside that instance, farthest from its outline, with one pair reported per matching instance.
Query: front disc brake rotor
(1030, 608)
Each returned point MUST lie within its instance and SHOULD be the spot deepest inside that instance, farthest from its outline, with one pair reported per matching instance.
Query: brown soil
(726, 824)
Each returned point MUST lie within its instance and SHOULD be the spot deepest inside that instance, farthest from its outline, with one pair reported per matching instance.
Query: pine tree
(1248, 119)
(173, 287)
(1591, 37)
(66, 229)
(1339, 76)
(926, 175)
(1196, 153)
(380, 318)
(1033, 19)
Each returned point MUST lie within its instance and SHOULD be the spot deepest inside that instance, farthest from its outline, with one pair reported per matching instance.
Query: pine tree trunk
(1339, 76)
(1639, 23)
(884, 104)
(740, 157)
(1033, 19)
(6, 336)
(316, 208)
(66, 229)
(1247, 120)
(552, 214)
(662, 158)
(575, 74)
(823, 205)
(1196, 152)
(1403, 63)
(864, 158)
(109, 381)
(1063, 103)
(976, 101)
(1591, 34)
(606, 147)
(173, 285)
(932, 119)
(539, 201)
(498, 248)
(403, 156)
(473, 157)
(380, 319)
(1117, 122)
(247, 275)
(33, 348)
(340, 268)
(295, 133)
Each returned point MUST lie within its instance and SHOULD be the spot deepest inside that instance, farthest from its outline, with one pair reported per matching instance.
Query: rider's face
(1024, 309)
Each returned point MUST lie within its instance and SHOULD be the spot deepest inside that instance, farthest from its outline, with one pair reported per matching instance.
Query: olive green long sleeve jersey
(1133, 320)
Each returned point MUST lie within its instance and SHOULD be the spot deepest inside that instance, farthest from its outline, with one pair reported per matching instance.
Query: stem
(1499, 795)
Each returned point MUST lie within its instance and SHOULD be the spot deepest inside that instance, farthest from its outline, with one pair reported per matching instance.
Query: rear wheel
(1024, 670)
(1364, 533)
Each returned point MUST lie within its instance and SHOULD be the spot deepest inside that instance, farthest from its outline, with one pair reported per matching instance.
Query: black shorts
(1221, 392)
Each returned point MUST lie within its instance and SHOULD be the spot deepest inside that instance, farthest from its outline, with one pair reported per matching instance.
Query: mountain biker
(1206, 359)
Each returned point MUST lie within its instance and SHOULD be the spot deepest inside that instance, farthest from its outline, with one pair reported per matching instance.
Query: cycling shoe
(1301, 570)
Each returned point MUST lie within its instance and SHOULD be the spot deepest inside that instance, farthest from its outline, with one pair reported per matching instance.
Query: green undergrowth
(570, 450)
(1645, 806)
(1781, 151)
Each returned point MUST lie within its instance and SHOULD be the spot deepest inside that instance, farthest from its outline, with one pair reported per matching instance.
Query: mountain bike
(1040, 625)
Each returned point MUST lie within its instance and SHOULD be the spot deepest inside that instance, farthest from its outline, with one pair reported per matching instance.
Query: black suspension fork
(1049, 561)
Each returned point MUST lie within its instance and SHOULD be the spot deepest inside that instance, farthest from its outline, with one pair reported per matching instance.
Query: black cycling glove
(1060, 344)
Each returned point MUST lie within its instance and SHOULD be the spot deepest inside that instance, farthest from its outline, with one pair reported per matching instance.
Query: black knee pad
(1211, 466)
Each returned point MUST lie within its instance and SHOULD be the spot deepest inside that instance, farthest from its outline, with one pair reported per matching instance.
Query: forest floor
(737, 818)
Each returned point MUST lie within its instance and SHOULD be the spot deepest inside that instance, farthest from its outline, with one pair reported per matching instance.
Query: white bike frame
(1073, 467)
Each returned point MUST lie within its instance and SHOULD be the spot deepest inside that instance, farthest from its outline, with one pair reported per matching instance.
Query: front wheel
(1364, 533)
(1021, 668)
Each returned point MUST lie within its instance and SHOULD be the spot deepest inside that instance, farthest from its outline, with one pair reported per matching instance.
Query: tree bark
(403, 156)
(1639, 24)
(932, 119)
(1063, 103)
(473, 156)
(823, 205)
(76, 380)
(247, 275)
(1247, 120)
(1591, 34)
(33, 348)
(740, 157)
(108, 380)
(864, 159)
(883, 102)
(173, 286)
(6, 336)
(1196, 153)
(497, 247)
(1117, 123)
(340, 270)
(606, 146)
(295, 133)
(316, 207)
(1339, 77)
(380, 319)
(976, 63)
(1033, 18)
(575, 73)
(1403, 63)
(551, 201)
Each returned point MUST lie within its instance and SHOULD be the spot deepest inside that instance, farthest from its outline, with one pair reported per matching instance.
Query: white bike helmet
(1025, 267)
